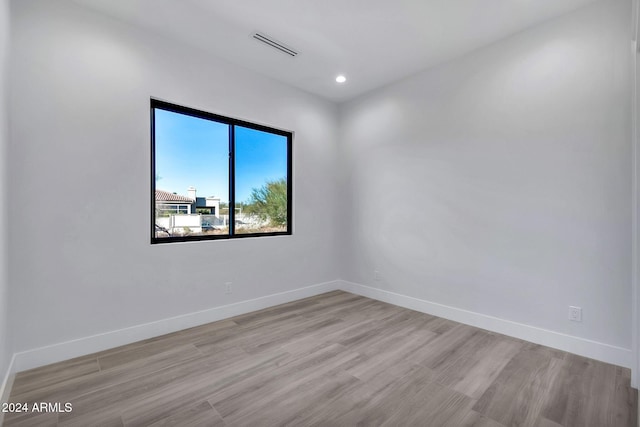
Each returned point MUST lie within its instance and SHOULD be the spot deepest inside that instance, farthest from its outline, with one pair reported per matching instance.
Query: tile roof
(165, 196)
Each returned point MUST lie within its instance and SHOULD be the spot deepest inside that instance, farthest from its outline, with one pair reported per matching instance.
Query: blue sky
(194, 152)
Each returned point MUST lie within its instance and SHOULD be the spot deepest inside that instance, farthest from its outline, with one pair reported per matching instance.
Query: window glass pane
(191, 175)
(260, 181)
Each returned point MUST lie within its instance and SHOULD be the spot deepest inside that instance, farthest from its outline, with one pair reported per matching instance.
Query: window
(213, 177)
(169, 209)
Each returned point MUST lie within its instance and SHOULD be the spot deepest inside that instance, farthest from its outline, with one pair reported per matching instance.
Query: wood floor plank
(521, 390)
(234, 402)
(275, 313)
(475, 419)
(147, 400)
(264, 337)
(292, 405)
(335, 359)
(30, 420)
(433, 405)
(72, 388)
(381, 404)
(440, 325)
(102, 419)
(544, 422)
(347, 309)
(136, 351)
(474, 372)
(127, 395)
(577, 396)
(447, 347)
(391, 355)
(52, 374)
(318, 338)
(354, 402)
(199, 415)
(624, 400)
(277, 337)
(336, 298)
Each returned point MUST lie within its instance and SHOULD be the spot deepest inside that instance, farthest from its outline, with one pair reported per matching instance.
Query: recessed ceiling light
(341, 79)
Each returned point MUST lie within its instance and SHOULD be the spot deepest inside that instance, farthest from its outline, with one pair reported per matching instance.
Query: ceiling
(371, 42)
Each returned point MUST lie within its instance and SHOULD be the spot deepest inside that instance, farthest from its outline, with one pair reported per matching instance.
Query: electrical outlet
(227, 288)
(376, 275)
(575, 314)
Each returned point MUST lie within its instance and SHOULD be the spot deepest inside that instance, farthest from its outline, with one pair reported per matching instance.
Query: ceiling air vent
(274, 43)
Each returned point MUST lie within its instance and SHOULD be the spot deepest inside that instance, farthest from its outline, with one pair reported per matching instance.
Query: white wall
(635, 115)
(635, 101)
(80, 154)
(500, 183)
(5, 340)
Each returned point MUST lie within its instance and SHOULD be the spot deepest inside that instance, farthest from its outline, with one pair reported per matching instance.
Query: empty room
(319, 213)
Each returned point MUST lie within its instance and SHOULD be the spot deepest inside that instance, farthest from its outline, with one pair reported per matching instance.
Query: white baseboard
(583, 347)
(7, 383)
(67, 350)
(87, 345)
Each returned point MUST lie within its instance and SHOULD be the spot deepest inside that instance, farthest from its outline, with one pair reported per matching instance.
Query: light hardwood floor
(336, 359)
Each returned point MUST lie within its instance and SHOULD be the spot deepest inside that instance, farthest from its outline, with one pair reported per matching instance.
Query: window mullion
(232, 185)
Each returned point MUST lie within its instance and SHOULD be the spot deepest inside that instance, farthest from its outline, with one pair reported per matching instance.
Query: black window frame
(232, 123)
